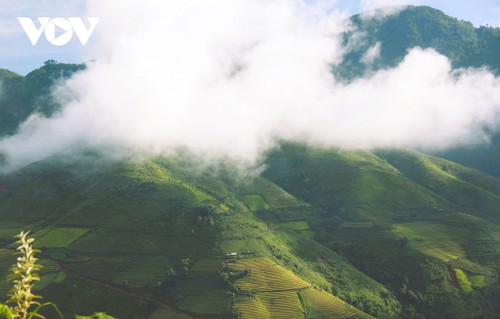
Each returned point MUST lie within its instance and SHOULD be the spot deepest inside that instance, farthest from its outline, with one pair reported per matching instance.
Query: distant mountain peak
(419, 26)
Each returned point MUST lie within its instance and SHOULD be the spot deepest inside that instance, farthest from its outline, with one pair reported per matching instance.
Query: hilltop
(465, 45)
(425, 27)
(21, 96)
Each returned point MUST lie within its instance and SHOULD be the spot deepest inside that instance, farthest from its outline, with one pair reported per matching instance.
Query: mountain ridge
(419, 26)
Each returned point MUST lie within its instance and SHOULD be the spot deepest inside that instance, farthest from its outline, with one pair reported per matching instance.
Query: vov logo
(51, 25)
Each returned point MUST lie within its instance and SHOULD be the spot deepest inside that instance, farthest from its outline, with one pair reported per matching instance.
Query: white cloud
(367, 5)
(226, 79)
(372, 54)
(382, 8)
(420, 103)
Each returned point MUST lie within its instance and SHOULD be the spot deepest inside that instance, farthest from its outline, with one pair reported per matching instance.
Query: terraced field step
(105, 260)
(270, 305)
(58, 237)
(256, 202)
(208, 265)
(357, 225)
(211, 302)
(330, 306)
(48, 274)
(274, 195)
(435, 239)
(265, 275)
(143, 272)
(49, 278)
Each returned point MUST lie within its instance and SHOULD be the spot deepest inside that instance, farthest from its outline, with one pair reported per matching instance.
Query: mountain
(465, 45)
(154, 235)
(21, 96)
(406, 219)
(377, 230)
(392, 233)
(425, 27)
(320, 233)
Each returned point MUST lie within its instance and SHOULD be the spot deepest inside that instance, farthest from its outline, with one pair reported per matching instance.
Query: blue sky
(19, 55)
(479, 12)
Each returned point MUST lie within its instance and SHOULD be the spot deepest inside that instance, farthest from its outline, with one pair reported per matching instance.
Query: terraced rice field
(295, 225)
(107, 241)
(232, 245)
(265, 275)
(144, 272)
(208, 265)
(356, 225)
(275, 305)
(48, 266)
(328, 305)
(168, 314)
(211, 302)
(435, 239)
(300, 226)
(477, 281)
(48, 274)
(106, 260)
(45, 280)
(60, 237)
(274, 195)
(445, 250)
(463, 280)
(255, 202)
(101, 268)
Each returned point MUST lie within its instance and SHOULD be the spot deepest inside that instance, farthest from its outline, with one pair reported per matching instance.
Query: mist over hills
(320, 230)
(239, 80)
(465, 45)
(425, 27)
(21, 96)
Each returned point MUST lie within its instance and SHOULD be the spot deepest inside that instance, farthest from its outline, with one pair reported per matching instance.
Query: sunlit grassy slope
(321, 234)
(141, 239)
(405, 218)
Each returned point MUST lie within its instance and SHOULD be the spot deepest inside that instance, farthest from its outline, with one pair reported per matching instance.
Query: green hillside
(425, 27)
(157, 237)
(21, 96)
(406, 219)
(377, 236)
